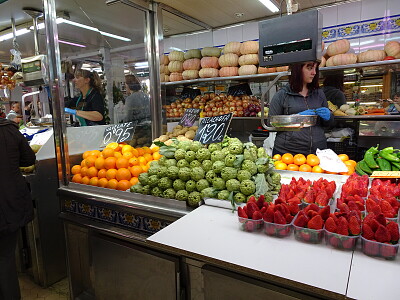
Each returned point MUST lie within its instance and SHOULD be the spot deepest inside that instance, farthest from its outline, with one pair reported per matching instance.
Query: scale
(34, 70)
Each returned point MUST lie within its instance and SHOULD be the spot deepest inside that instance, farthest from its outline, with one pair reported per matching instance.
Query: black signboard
(213, 129)
(119, 133)
(190, 116)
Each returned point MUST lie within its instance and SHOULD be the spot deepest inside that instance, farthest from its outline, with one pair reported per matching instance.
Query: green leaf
(262, 161)
(261, 184)
(230, 198)
(159, 144)
(238, 161)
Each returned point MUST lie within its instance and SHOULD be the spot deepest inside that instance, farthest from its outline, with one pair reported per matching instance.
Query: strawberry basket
(307, 235)
(250, 225)
(278, 230)
(376, 249)
(339, 241)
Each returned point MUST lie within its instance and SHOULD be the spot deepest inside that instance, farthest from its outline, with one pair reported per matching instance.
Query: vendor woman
(89, 106)
(302, 96)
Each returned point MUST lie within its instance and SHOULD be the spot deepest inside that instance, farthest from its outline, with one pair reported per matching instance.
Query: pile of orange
(118, 166)
(300, 162)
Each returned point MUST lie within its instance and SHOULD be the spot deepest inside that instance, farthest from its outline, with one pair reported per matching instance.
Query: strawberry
(263, 210)
(289, 218)
(330, 225)
(266, 204)
(334, 241)
(367, 232)
(293, 208)
(370, 204)
(354, 226)
(371, 248)
(245, 210)
(279, 218)
(257, 215)
(269, 215)
(294, 200)
(324, 212)
(376, 210)
(393, 229)
(385, 206)
(368, 218)
(322, 198)
(260, 201)
(251, 208)
(251, 199)
(305, 235)
(334, 217)
(285, 231)
(250, 226)
(374, 225)
(344, 208)
(242, 213)
(343, 226)
(348, 243)
(382, 235)
(309, 196)
(313, 207)
(316, 223)
(388, 251)
(301, 220)
(381, 219)
(269, 229)
(356, 214)
(311, 214)
(283, 209)
(353, 205)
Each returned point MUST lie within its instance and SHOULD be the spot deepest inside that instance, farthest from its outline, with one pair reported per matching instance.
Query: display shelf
(234, 118)
(381, 66)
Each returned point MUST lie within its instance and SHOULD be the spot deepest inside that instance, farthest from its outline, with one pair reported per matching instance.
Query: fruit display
(190, 171)
(216, 104)
(379, 237)
(180, 133)
(118, 166)
(354, 191)
(387, 159)
(382, 198)
(251, 215)
(300, 162)
(346, 109)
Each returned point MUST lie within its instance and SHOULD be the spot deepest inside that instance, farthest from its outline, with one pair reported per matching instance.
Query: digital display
(31, 67)
(287, 47)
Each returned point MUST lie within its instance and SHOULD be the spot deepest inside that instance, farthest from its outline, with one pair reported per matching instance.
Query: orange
(281, 166)
(111, 173)
(277, 157)
(102, 173)
(312, 160)
(140, 151)
(147, 150)
(123, 174)
(122, 162)
(128, 155)
(327, 172)
(84, 171)
(134, 180)
(148, 157)
(85, 180)
(145, 168)
(77, 178)
(135, 152)
(343, 157)
(94, 181)
(114, 146)
(293, 167)
(99, 163)
(317, 169)
(117, 154)
(133, 161)
(90, 160)
(142, 160)
(108, 152)
(83, 163)
(156, 155)
(349, 172)
(154, 149)
(102, 182)
(287, 158)
(109, 162)
(86, 154)
(350, 162)
(76, 169)
(136, 170)
(123, 185)
(305, 168)
(299, 159)
(112, 184)
(126, 148)
(277, 162)
(92, 172)
(95, 153)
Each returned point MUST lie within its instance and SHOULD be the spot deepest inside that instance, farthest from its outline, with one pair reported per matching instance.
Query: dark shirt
(137, 107)
(93, 102)
(334, 95)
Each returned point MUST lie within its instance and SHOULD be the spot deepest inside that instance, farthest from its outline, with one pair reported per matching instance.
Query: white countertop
(214, 233)
(374, 278)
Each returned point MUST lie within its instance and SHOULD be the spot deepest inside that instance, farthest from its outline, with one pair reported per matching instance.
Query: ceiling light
(72, 44)
(349, 82)
(371, 85)
(141, 64)
(271, 5)
(10, 35)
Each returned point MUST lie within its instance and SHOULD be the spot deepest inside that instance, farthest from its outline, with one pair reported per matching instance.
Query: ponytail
(95, 81)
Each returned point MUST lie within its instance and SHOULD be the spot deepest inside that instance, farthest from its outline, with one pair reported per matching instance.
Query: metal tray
(292, 121)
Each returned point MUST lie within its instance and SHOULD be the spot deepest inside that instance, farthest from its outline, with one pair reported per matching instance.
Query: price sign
(119, 133)
(190, 116)
(213, 129)
(385, 174)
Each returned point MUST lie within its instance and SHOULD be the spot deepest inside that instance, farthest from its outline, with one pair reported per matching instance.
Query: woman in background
(333, 89)
(137, 104)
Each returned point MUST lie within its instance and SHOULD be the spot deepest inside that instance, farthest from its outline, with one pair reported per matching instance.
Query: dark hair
(94, 82)
(133, 83)
(296, 78)
(334, 80)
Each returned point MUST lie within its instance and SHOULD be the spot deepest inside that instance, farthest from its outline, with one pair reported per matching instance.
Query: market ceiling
(127, 22)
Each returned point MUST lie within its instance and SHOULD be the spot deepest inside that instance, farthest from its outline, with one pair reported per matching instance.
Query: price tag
(385, 174)
(119, 133)
(213, 129)
(190, 116)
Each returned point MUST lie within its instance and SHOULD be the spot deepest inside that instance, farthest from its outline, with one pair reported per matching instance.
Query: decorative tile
(329, 34)
(107, 214)
(373, 27)
(86, 209)
(393, 23)
(70, 205)
(347, 31)
(129, 220)
(153, 225)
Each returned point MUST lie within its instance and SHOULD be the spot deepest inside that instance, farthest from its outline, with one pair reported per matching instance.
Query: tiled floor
(30, 290)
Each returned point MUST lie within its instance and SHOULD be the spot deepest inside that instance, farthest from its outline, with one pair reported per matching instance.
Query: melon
(192, 53)
(208, 72)
(209, 62)
(342, 59)
(228, 60)
(248, 59)
(338, 47)
(371, 55)
(211, 51)
(228, 71)
(232, 47)
(249, 47)
(175, 76)
(392, 48)
(176, 55)
(248, 70)
(175, 66)
(190, 74)
(191, 64)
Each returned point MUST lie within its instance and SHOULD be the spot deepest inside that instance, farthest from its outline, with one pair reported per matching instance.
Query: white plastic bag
(330, 161)
(269, 143)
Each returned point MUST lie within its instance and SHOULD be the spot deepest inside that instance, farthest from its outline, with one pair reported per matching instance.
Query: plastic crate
(344, 147)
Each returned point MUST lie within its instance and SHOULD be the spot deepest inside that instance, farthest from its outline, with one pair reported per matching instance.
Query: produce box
(307, 235)
(250, 225)
(339, 241)
(278, 230)
(372, 248)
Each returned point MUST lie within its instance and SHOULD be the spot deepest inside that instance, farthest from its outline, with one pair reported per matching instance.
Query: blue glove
(70, 111)
(308, 112)
(324, 113)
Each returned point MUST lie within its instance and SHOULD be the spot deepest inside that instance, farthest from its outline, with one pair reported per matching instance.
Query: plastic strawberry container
(278, 230)
(376, 249)
(340, 241)
(306, 234)
(250, 225)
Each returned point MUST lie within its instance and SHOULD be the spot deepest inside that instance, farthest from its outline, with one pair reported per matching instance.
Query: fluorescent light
(270, 5)
(350, 82)
(372, 85)
(10, 35)
(72, 44)
(118, 37)
(141, 67)
(141, 64)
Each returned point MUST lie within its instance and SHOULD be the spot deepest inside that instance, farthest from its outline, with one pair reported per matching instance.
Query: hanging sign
(119, 133)
(213, 129)
(190, 116)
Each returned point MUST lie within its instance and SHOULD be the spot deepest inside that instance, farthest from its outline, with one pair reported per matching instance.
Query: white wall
(367, 23)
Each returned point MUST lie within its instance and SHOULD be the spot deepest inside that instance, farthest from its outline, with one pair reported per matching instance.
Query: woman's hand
(324, 113)
(308, 112)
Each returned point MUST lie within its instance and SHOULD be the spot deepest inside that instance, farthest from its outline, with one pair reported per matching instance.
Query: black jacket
(16, 207)
(307, 140)
(334, 95)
